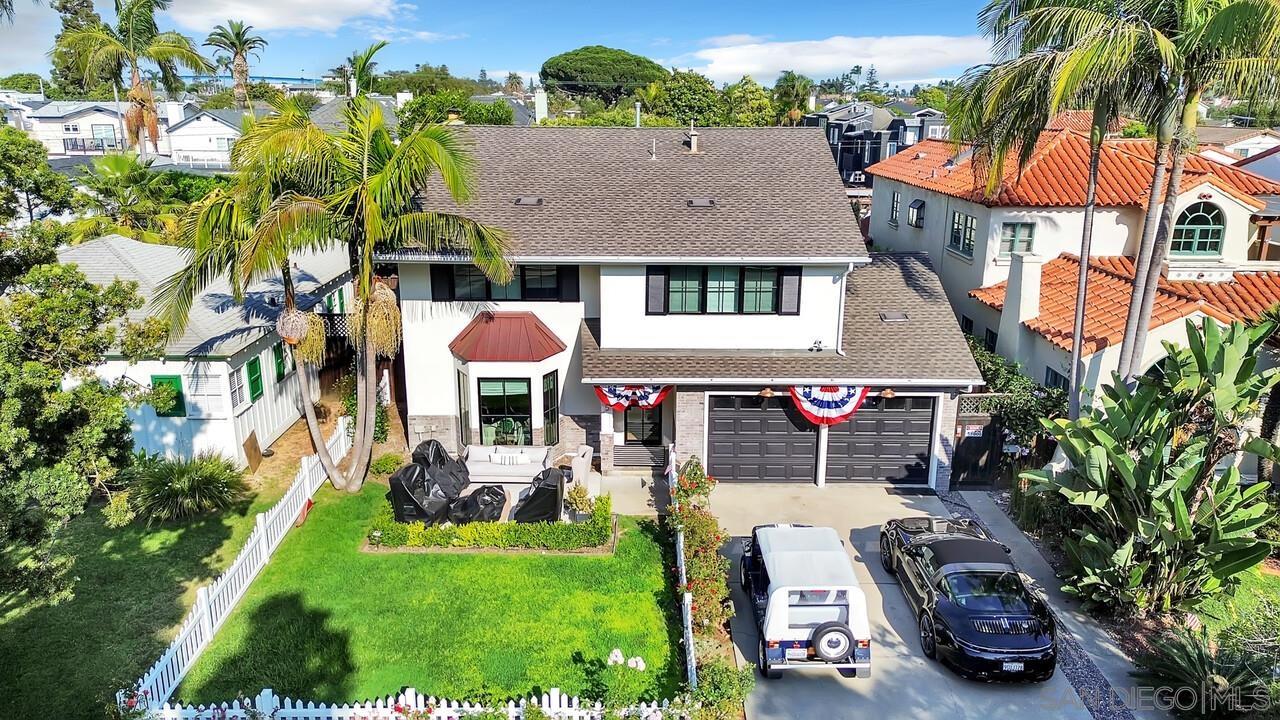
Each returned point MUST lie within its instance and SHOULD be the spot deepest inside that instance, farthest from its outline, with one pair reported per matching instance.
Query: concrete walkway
(1100, 648)
(904, 684)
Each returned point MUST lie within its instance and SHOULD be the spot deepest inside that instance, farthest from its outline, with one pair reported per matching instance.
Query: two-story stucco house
(234, 378)
(204, 138)
(78, 127)
(710, 272)
(1009, 261)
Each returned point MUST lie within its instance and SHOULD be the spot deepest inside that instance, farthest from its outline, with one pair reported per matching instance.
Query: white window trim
(71, 128)
(236, 379)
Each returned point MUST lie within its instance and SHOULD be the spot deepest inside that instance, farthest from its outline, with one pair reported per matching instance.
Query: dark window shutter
(656, 290)
(441, 282)
(789, 290)
(568, 281)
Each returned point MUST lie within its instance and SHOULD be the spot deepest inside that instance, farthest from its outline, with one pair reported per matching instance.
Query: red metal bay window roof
(506, 337)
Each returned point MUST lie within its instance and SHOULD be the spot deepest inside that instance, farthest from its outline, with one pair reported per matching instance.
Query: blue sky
(922, 41)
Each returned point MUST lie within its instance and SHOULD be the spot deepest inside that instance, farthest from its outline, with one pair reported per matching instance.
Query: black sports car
(972, 609)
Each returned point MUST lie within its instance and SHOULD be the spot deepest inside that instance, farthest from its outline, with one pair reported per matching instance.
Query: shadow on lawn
(126, 593)
(287, 647)
(668, 599)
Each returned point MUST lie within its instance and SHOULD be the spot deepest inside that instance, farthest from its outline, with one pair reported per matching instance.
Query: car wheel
(742, 575)
(832, 641)
(766, 669)
(928, 641)
(886, 555)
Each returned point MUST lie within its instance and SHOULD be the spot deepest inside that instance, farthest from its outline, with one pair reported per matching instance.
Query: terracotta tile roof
(1057, 173)
(1107, 300)
(1082, 121)
(506, 337)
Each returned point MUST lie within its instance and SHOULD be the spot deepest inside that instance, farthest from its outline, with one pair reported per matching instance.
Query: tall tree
(133, 42)
(67, 75)
(27, 184)
(791, 96)
(236, 40)
(514, 84)
(356, 187)
(607, 74)
(363, 67)
(690, 98)
(747, 104)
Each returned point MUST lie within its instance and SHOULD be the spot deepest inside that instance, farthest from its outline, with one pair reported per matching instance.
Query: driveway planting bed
(328, 622)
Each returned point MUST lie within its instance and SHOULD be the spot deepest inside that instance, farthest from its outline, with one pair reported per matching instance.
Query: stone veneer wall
(440, 427)
(948, 406)
(578, 430)
(690, 422)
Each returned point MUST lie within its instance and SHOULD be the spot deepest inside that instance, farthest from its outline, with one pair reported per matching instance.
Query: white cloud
(25, 44)
(318, 15)
(897, 58)
(720, 41)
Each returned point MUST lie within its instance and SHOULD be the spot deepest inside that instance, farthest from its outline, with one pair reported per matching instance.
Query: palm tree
(791, 93)
(650, 96)
(217, 231)
(235, 40)
(123, 196)
(133, 41)
(1230, 44)
(362, 67)
(356, 186)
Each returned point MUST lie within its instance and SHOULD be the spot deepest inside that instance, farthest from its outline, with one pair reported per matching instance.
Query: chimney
(402, 98)
(453, 116)
(539, 105)
(1021, 303)
(813, 101)
(693, 141)
(175, 112)
(351, 87)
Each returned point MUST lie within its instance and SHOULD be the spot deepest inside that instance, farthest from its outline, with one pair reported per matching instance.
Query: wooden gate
(979, 442)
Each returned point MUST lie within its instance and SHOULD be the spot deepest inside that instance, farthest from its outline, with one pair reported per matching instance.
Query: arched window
(1198, 231)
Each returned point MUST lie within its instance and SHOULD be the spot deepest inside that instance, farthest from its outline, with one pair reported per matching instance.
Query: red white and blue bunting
(828, 404)
(621, 397)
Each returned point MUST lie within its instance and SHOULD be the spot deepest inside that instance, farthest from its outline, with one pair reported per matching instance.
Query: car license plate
(797, 653)
(1013, 667)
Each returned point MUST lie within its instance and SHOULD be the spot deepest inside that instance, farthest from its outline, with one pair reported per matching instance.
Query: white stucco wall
(51, 131)
(197, 141)
(1254, 145)
(430, 368)
(624, 324)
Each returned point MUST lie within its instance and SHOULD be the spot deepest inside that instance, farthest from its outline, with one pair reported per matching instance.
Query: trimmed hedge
(596, 531)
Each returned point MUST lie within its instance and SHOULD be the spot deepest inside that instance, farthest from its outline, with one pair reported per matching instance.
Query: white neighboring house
(720, 269)
(233, 374)
(1231, 144)
(1009, 262)
(80, 127)
(204, 138)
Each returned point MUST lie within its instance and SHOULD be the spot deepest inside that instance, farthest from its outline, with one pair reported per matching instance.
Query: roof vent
(701, 202)
(922, 155)
(528, 200)
(893, 316)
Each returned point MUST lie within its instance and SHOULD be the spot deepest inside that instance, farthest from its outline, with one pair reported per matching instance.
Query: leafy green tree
(187, 188)
(1157, 524)
(605, 73)
(23, 82)
(791, 96)
(932, 97)
(1022, 403)
(257, 91)
(59, 440)
(238, 42)
(67, 75)
(747, 104)
(433, 109)
(27, 183)
(133, 42)
(690, 98)
(617, 117)
(123, 196)
(356, 187)
(426, 80)
(514, 84)
(307, 101)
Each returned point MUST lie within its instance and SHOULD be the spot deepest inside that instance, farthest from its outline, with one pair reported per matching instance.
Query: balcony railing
(88, 145)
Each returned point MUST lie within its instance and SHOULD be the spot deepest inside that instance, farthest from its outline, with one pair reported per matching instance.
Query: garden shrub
(722, 690)
(386, 464)
(706, 570)
(596, 531)
(1199, 680)
(119, 511)
(175, 489)
(346, 389)
(1025, 401)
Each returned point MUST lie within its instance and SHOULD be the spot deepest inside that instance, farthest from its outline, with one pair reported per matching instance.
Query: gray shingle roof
(1208, 135)
(928, 346)
(777, 193)
(218, 326)
(329, 114)
(231, 117)
(67, 108)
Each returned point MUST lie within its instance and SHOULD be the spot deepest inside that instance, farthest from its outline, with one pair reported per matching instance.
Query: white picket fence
(266, 704)
(686, 602)
(215, 601)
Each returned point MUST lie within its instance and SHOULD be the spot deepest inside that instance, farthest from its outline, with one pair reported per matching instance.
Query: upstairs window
(720, 290)
(1016, 237)
(759, 290)
(895, 204)
(915, 214)
(71, 128)
(528, 282)
(963, 227)
(1198, 231)
(684, 290)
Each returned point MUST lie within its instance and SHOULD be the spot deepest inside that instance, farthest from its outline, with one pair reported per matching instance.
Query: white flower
(616, 657)
(637, 663)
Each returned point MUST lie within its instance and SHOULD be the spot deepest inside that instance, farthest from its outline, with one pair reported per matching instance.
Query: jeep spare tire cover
(832, 641)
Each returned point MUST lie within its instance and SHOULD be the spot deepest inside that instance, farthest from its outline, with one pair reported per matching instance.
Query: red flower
(399, 708)
(131, 703)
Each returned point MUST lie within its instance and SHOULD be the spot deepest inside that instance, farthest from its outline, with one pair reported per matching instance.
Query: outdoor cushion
(491, 470)
(508, 458)
(476, 455)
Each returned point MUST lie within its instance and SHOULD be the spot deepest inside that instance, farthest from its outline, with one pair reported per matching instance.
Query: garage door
(889, 440)
(752, 438)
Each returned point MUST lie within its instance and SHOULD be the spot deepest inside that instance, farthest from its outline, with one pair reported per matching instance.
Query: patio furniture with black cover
(544, 500)
(484, 504)
(414, 497)
(446, 473)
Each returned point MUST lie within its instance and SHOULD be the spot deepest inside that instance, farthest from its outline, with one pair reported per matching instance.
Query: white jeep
(809, 609)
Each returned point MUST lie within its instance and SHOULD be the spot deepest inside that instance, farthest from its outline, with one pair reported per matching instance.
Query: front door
(643, 426)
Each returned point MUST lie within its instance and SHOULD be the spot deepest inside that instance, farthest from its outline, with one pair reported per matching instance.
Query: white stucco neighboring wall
(203, 140)
(625, 324)
(431, 368)
(52, 131)
(1254, 145)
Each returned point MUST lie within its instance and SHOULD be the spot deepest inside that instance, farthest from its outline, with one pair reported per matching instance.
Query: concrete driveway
(904, 684)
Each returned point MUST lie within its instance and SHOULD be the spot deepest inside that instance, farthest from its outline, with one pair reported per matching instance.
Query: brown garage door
(755, 439)
(889, 440)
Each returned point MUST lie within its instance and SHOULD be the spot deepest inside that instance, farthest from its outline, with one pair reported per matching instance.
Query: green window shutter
(277, 354)
(254, 367)
(179, 408)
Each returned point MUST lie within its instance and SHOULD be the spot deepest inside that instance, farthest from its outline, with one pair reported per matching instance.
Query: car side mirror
(1007, 550)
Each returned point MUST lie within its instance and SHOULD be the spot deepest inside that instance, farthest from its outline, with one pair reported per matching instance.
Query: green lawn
(1219, 613)
(130, 589)
(327, 622)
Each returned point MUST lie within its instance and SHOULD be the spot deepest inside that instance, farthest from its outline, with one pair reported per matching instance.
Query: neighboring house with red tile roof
(1022, 241)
